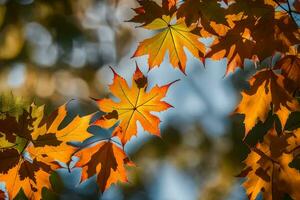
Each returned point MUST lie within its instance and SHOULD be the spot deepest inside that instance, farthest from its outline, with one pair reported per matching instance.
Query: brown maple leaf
(105, 159)
(2, 195)
(296, 5)
(194, 11)
(290, 68)
(236, 45)
(149, 11)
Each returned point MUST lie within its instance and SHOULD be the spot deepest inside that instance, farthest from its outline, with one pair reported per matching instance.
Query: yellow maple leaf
(172, 38)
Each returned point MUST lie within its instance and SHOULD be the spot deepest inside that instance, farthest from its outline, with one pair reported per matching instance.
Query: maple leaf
(267, 92)
(290, 68)
(199, 10)
(268, 171)
(2, 195)
(247, 36)
(172, 38)
(49, 131)
(296, 5)
(105, 159)
(247, 20)
(236, 45)
(19, 172)
(31, 146)
(284, 35)
(136, 104)
(149, 11)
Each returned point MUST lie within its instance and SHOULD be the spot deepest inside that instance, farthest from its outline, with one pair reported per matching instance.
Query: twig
(289, 11)
(279, 4)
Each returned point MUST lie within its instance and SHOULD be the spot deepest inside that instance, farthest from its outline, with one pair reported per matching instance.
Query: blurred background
(52, 51)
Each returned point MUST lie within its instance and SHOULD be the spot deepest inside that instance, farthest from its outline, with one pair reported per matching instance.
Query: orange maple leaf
(135, 104)
(105, 159)
(267, 92)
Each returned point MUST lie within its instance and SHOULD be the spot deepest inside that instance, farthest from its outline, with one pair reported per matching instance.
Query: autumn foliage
(34, 145)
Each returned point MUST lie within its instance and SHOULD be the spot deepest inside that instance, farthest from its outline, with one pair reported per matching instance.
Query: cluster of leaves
(255, 30)
(135, 105)
(272, 97)
(32, 145)
(238, 29)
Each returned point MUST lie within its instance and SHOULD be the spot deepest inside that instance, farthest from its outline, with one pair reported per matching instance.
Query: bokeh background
(52, 51)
